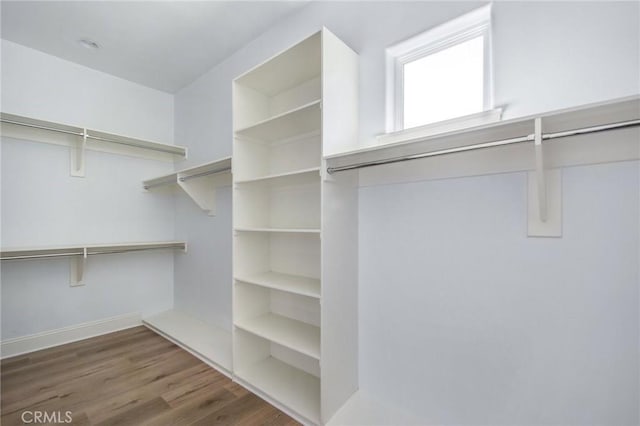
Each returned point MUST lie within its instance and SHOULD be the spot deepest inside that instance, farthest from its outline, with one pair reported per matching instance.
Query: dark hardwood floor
(131, 377)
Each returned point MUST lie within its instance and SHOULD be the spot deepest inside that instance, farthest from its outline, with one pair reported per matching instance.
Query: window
(441, 74)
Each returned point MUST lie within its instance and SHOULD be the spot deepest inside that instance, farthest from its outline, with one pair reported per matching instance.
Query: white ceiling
(160, 44)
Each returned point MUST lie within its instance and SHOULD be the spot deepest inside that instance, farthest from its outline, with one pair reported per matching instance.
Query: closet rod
(36, 126)
(165, 182)
(39, 256)
(81, 253)
(89, 136)
(211, 172)
(484, 145)
(98, 138)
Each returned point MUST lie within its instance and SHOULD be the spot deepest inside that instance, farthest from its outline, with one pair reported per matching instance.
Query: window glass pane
(445, 84)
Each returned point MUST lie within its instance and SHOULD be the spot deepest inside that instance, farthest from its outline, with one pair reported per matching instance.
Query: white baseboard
(60, 336)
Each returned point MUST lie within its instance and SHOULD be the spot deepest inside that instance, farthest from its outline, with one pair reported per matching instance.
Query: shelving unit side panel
(249, 106)
(251, 253)
(339, 95)
(248, 350)
(296, 154)
(300, 308)
(308, 91)
(296, 359)
(296, 206)
(250, 301)
(251, 159)
(295, 254)
(339, 338)
(252, 207)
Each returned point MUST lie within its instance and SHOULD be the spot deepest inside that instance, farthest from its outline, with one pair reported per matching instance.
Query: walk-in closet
(320, 212)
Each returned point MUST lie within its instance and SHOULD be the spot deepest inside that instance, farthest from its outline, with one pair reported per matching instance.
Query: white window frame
(456, 31)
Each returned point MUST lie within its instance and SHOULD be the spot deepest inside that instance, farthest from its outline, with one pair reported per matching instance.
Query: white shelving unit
(210, 344)
(288, 112)
(199, 182)
(80, 139)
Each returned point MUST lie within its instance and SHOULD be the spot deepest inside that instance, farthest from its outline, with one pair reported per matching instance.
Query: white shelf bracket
(540, 180)
(78, 264)
(544, 194)
(77, 154)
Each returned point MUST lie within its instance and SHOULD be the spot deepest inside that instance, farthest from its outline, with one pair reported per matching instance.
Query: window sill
(459, 123)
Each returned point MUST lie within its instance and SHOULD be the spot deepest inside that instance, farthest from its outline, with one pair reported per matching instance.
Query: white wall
(42, 205)
(477, 324)
(493, 327)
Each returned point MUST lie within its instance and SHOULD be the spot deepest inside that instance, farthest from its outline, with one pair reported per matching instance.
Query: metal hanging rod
(211, 172)
(164, 182)
(128, 250)
(152, 148)
(170, 179)
(36, 126)
(594, 129)
(484, 145)
(89, 253)
(90, 136)
(41, 256)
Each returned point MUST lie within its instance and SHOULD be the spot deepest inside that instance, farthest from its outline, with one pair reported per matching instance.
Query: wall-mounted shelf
(80, 253)
(199, 182)
(80, 139)
(541, 145)
(210, 344)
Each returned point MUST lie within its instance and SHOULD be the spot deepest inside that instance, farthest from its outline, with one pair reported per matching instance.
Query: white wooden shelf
(295, 389)
(281, 230)
(296, 177)
(541, 145)
(80, 139)
(210, 344)
(554, 123)
(302, 286)
(296, 335)
(85, 249)
(298, 121)
(198, 182)
(79, 253)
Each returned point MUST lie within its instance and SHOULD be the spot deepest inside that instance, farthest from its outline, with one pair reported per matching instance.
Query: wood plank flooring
(131, 377)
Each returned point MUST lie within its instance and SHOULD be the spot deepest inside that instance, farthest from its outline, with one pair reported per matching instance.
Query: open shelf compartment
(295, 284)
(288, 82)
(298, 121)
(291, 202)
(285, 318)
(289, 380)
(259, 160)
